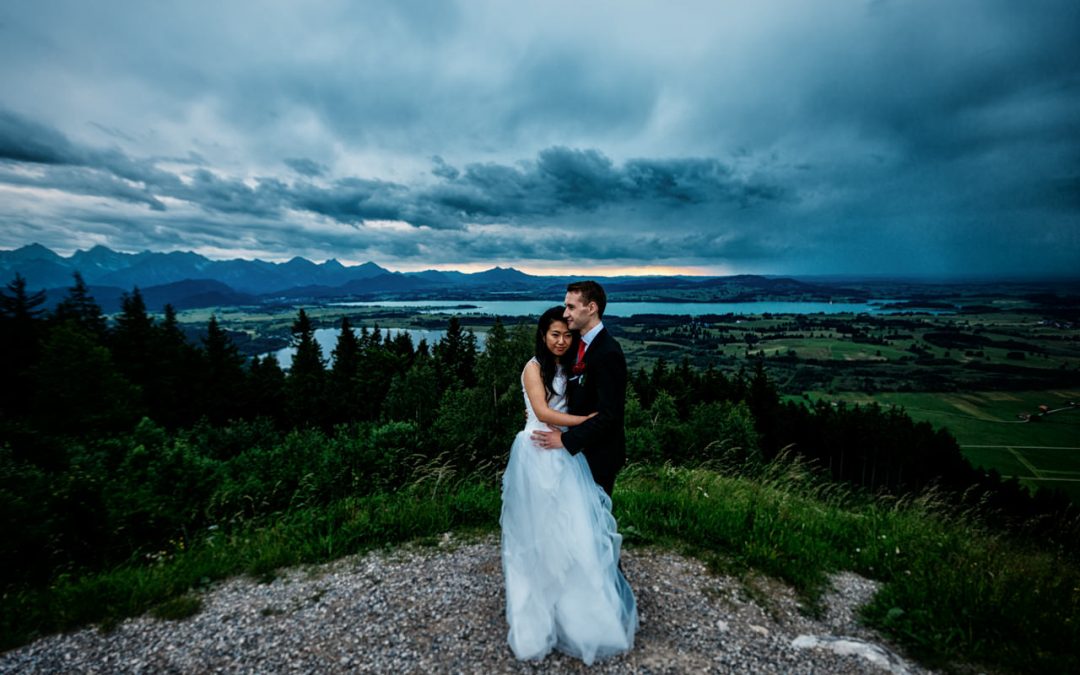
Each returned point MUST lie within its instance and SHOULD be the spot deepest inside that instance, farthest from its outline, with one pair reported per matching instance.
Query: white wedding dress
(560, 553)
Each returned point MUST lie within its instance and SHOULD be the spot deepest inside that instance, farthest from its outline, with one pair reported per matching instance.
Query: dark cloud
(559, 181)
(305, 167)
(82, 181)
(442, 169)
(23, 140)
(565, 181)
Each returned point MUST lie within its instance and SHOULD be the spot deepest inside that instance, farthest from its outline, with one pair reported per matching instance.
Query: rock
(845, 646)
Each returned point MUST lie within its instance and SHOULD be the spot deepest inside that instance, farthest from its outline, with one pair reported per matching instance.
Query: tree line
(120, 438)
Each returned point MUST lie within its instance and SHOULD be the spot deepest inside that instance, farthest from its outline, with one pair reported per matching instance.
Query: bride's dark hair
(548, 361)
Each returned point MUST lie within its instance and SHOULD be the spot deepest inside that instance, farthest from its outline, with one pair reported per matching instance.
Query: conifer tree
(455, 356)
(177, 386)
(79, 306)
(378, 366)
(132, 339)
(16, 304)
(223, 372)
(266, 389)
(401, 347)
(422, 349)
(345, 388)
(78, 389)
(414, 395)
(307, 374)
(20, 338)
(496, 370)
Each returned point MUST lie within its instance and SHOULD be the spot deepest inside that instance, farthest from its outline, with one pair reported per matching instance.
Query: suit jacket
(601, 388)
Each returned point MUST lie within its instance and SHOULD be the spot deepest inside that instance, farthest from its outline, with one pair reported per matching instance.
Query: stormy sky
(916, 138)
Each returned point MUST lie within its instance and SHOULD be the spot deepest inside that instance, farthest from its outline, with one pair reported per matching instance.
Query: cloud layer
(837, 137)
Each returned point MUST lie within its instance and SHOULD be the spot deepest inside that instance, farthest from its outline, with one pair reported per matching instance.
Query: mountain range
(187, 280)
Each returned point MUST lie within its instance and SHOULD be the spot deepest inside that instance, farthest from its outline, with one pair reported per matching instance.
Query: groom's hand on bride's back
(548, 440)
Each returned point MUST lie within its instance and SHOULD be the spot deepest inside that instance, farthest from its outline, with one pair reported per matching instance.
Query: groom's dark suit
(601, 388)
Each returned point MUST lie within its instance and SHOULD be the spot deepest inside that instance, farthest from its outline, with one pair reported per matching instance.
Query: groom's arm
(609, 374)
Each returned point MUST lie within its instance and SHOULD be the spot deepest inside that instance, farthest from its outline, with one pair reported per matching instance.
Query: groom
(597, 384)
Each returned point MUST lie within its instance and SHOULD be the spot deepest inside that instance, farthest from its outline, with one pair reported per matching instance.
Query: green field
(1043, 452)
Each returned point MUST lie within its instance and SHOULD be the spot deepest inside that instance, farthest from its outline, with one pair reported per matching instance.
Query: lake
(327, 337)
(537, 307)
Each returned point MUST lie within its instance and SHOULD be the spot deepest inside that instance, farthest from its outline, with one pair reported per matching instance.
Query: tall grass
(952, 592)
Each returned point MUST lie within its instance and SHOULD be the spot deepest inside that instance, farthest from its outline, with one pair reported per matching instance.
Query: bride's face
(558, 338)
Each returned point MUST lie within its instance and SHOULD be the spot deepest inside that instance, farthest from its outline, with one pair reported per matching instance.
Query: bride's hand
(591, 415)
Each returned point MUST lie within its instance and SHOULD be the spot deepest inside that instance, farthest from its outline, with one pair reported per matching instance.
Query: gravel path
(440, 610)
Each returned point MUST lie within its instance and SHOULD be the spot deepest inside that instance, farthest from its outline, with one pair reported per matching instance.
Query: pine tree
(78, 389)
(132, 339)
(455, 356)
(378, 366)
(306, 397)
(19, 305)
(345, 388)
(223, 371)
(414, 395)
(178, 383)
(266, 389)
(401, 347)
(20, 343)
(495, 366)
(79, 306)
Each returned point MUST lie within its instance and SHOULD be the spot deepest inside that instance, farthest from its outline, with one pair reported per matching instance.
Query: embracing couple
(565, 589)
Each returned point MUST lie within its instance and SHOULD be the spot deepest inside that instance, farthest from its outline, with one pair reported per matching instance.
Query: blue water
(537, 307)
(327, 337)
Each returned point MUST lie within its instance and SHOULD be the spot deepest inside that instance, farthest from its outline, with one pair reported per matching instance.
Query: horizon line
(599, 270)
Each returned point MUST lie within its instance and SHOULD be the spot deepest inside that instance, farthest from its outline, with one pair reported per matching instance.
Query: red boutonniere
(579, 368)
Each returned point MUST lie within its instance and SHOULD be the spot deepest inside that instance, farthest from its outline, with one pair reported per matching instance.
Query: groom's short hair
(590, 292)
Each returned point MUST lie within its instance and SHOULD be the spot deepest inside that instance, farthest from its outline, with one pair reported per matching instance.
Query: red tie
(580, 351)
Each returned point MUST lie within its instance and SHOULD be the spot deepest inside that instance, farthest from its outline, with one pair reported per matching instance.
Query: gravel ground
(440, 610)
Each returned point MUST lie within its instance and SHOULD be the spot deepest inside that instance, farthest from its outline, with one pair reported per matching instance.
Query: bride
(560, 547)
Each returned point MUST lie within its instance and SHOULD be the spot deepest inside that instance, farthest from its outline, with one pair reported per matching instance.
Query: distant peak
(35, 248)
(298, 260)
(34, 251)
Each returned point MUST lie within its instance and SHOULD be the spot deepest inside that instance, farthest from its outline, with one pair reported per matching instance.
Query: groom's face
(578, 314)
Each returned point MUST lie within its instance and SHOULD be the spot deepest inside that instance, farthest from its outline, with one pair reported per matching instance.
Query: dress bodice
(557, 401)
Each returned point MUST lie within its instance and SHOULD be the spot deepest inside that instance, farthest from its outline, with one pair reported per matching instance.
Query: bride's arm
(534, 388)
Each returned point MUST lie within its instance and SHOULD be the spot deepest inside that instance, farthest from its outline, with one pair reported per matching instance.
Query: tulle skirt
(560, 555)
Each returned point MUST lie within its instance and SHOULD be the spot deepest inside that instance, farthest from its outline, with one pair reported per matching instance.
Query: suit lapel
(597, 343)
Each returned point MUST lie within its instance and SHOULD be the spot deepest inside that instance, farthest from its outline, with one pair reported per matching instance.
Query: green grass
(1003, 459)
(1044, 452)
(952, 592)
(825, 349)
